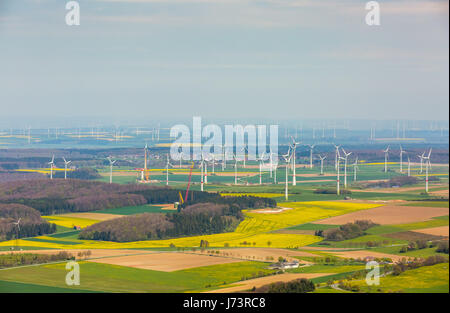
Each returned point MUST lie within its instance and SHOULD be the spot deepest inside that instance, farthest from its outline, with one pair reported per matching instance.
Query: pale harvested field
(258, 282)
(166, 206)
(92, 216)
(166, 262)
(261, 254)
(270, 210)
(388, 214)
(361, 254)
(95, 253)
(436, 231)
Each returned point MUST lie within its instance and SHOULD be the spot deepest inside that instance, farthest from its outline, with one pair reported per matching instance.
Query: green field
(113, 278)
(129, 210)
(425, 279)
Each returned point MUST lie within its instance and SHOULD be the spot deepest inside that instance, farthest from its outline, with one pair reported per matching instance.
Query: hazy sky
(139, 59)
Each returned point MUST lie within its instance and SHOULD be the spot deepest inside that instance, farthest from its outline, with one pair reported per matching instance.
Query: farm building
(284, 265)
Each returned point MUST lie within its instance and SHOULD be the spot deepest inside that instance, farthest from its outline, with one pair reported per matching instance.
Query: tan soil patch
(258, 282)
(166, 262)
(361, 254)
(435, 231)
(261, 254)
(388, 214)
(92, 216)
(270, 211)
(166, 206)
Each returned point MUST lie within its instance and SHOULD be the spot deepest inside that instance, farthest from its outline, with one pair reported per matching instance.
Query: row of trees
(301, 285)
(18, 259)
(346, 231)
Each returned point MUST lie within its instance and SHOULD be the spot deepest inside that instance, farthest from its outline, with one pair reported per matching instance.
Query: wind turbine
(202, 162)
(287, 158)
(355, 168)
(18, 231)
(52, 162)
(427, 162)
(345, 158)
(65, 167)
(167, 170)
(311, 155)
(245, 149)
(421, 161)
(401, 159)
(336, 157)
(386, 155)
(294, 146)
(261, 163)
(409, 167)
(272, 166)
(111, 163)
(338, 177)
(321, 163)
(235, 169)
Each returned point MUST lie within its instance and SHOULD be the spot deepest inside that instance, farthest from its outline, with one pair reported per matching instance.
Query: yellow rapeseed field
(68, 221)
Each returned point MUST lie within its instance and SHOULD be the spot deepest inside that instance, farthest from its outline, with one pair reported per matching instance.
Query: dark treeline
(31, 223)
(198, 219)
(394, 181)
(301, 285)
(62, 196)
(347, 231)
(80, 173)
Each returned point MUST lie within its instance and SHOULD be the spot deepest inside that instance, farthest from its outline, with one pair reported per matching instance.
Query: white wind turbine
(345, 158)
(401, 159)
(321, 163)
(273, 167)
(235, 169)
(386, 155)
(311, 155)
(409, 167)
(261, 163)
(202, 162)
(338, 177)
(336, 157)
(52, 163)
(111, 163)
(427, 162)
(65, 167)
(18, 230)
(287, 158)
(294, 146)
(355, 168)
(421, 161)
(167, 170)
(245, 150)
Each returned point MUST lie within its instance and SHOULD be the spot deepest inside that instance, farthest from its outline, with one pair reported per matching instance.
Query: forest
(62, 196)
(196, 219)
(31, 223)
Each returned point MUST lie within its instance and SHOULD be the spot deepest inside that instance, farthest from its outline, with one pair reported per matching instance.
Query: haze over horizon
(132, 60)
